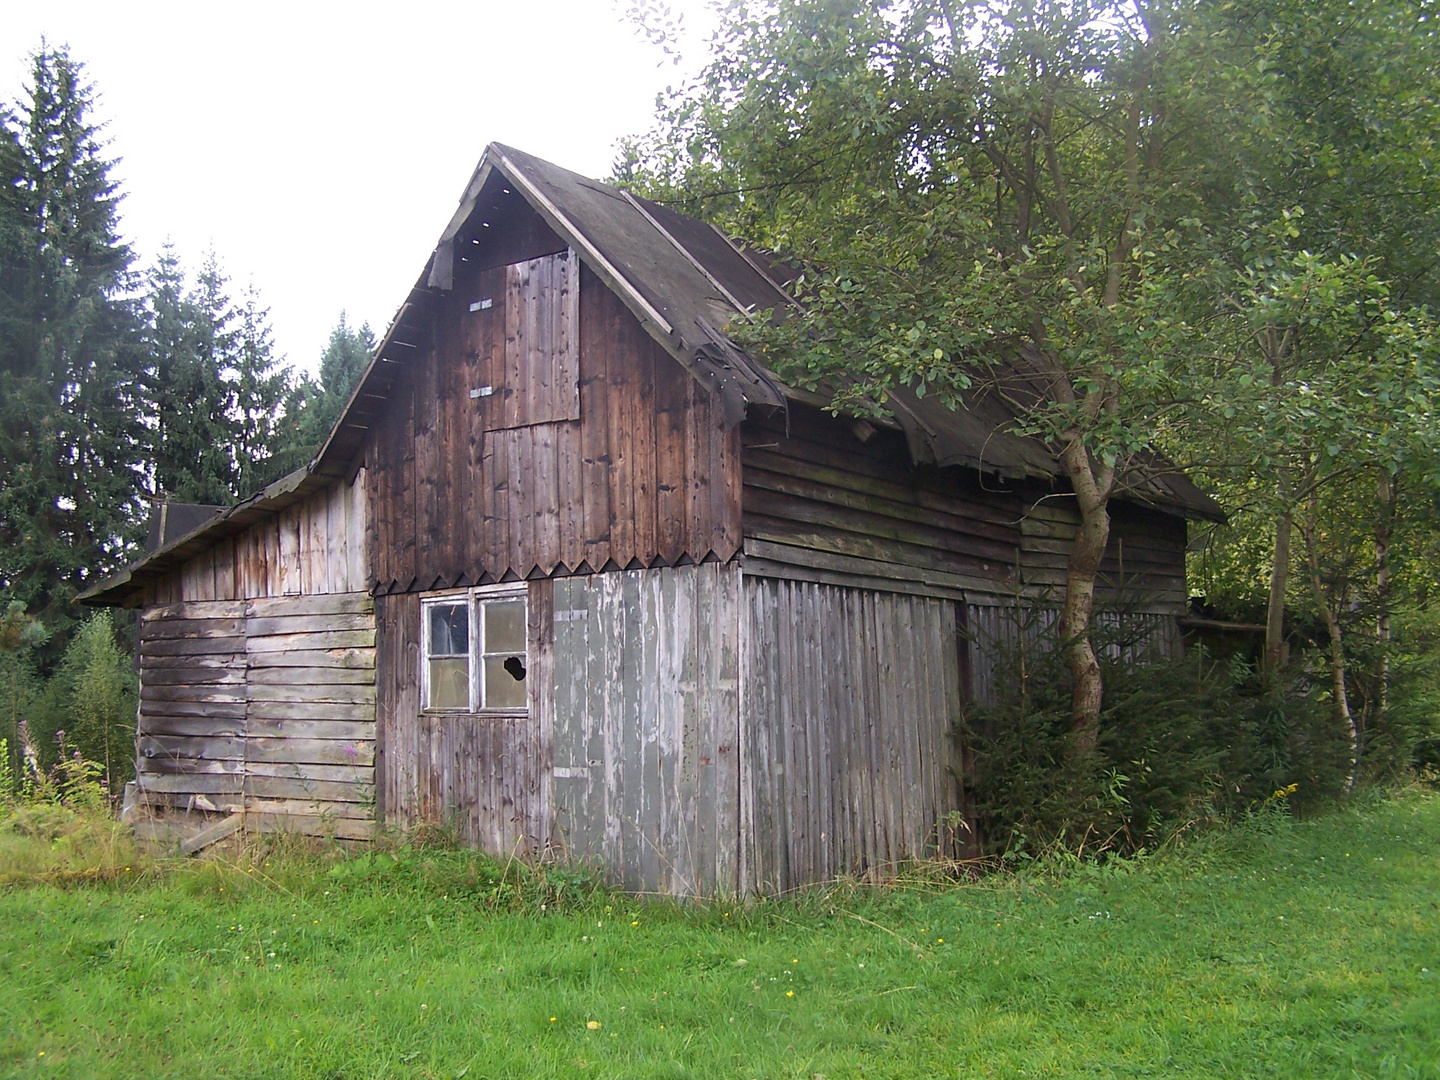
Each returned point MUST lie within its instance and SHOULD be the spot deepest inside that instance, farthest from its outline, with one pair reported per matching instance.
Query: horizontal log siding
(849, 697)
(646, 476)
(822, 504)
(819, 488)
(229, 721)
(316, 546)
(1144, 563)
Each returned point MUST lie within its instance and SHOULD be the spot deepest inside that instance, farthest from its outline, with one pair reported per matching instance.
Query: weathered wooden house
(576, 574)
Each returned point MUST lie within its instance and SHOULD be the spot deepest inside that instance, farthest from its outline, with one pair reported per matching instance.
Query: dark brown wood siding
(823, 503)
(646, 476)
(486, 776)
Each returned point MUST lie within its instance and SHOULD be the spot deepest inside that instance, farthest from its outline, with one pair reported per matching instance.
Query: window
(475, 658)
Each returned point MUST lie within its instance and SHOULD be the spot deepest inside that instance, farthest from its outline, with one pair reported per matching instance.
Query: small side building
(578, 576)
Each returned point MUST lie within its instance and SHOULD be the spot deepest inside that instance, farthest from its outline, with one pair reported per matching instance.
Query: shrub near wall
(1183, 742)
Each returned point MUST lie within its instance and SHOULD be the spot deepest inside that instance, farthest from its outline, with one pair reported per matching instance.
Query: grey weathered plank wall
(264, 705)
(646, 713)
(848, 705)
(488, 777)
(314, 546)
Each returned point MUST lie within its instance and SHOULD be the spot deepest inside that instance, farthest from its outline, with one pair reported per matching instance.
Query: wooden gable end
(542, 433)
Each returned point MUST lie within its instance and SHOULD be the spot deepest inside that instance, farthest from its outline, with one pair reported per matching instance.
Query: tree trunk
(1275, 611)
(1087, 689)
(1384, 530)
(1339, 696)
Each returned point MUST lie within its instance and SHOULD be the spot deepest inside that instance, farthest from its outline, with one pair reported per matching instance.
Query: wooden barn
(576, 575)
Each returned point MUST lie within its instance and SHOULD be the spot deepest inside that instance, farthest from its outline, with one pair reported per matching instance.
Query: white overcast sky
(321, 147)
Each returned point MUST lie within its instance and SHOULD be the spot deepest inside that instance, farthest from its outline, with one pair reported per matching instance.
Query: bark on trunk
(1087, 689)
(1275, 611)
(1384, 530)
(1339, 696)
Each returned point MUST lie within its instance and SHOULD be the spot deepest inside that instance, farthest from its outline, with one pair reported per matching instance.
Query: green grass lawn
(1272, 950)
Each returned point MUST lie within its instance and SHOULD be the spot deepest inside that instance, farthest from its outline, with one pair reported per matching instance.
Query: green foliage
(93, 700)
(18, 631)
(1183, 743)
(972, 189)
(1272, 949)
(71, 439)
(214, 387)
(188, 335)
(1405, 737)
(312, 408)
(83, 713)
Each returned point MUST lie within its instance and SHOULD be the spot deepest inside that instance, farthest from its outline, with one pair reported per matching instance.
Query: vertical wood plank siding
(849, 700)
(646, 476)
(265, 705)
(646, 718)
(487, 777)
(629, 758)
(314, 546)
(535, 377)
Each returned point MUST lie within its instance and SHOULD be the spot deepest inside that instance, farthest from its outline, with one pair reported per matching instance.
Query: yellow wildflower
(593, 1025)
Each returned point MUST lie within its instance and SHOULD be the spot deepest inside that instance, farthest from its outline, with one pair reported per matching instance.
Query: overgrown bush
(1183, 742)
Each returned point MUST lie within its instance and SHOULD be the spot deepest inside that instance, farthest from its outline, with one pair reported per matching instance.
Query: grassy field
(1280, 950)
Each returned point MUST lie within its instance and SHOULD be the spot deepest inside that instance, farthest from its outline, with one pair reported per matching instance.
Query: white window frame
(473, 598)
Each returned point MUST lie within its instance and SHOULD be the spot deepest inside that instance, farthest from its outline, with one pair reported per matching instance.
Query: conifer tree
(260, 386)
(71, 448)
(186, 333)
(215, 388)
(312, 407)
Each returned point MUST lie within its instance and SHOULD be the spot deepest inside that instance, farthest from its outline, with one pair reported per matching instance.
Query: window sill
(479, 714)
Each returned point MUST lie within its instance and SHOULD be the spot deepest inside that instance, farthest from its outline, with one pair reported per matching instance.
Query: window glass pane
(505, 682)
(450, 683)
(505, 626)
(449, 630)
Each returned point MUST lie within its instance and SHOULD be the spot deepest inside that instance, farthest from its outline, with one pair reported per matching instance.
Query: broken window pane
(503, 690)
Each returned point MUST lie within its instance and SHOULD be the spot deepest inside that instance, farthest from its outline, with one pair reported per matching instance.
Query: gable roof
(685, 281)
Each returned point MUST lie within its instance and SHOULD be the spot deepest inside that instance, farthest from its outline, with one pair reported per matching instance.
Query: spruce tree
(312, 407)
(71, 451)
(260, 385)
(186, 334)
